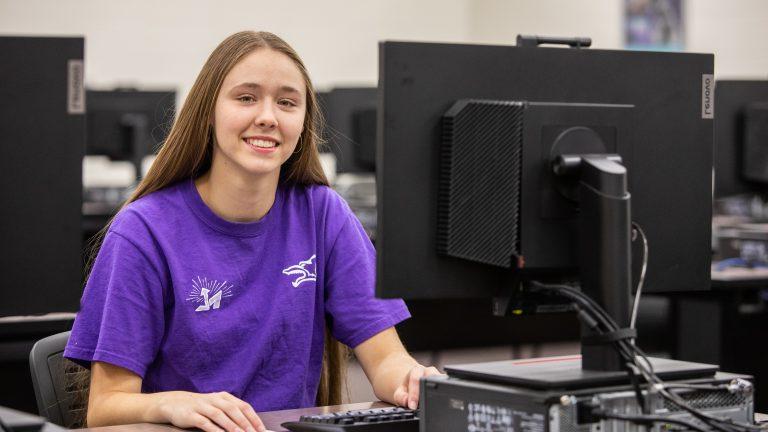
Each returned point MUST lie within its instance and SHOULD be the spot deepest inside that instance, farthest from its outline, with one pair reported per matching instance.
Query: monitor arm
(604, 246)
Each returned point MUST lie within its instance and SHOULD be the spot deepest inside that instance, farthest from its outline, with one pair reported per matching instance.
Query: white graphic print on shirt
(305, 270)
(209, 293)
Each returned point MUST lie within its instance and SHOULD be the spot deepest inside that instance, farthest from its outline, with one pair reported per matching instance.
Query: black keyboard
(393, 419)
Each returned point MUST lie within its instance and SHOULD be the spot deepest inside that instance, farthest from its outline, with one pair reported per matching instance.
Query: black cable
(630, 352)
(715, 422)
(718, 423)
(646, 419)
(697, 386)
(641, 401)
(573, 294)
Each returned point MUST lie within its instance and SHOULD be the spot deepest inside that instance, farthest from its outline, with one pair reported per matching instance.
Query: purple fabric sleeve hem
(377, 327)
(83, 356)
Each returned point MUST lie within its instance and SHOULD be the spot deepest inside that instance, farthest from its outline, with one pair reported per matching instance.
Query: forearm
(390, 373)
(114, 408)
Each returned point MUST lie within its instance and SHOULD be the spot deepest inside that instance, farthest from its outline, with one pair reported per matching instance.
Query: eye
(246, 99)
(287, 103)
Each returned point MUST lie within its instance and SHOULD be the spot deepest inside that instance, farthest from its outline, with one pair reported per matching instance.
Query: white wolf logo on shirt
(305, 270)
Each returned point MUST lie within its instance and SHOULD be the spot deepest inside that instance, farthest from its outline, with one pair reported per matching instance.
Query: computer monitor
(756, 142)
(364, 134)
(42, 139)
(740, 141)
(350, 132)
(517, 108)
(127, 124)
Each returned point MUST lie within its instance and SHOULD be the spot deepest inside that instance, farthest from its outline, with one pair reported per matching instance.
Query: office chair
(61, 386)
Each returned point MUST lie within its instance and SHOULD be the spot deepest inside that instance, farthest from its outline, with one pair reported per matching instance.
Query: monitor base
(566, 373)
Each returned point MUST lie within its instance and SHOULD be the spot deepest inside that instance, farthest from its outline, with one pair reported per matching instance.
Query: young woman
(216, 285)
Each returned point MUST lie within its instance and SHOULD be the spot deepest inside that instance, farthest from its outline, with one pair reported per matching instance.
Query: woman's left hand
(407, 393)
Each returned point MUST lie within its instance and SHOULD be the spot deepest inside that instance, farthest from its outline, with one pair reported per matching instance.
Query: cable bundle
(637, 362)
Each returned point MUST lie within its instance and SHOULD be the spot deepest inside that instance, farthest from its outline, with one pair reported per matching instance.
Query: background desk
(727, 326)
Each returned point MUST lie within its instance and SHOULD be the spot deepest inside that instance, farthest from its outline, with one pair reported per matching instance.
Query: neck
(237, 198)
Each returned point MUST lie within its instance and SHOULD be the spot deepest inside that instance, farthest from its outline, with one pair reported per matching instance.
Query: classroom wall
(735, 31)
(147, 43)
(155, 44)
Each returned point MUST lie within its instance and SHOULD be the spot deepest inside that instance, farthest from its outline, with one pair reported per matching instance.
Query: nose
(265, 117)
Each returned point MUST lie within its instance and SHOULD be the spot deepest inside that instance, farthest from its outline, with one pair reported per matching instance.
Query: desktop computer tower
(451, 404)
(42, 141)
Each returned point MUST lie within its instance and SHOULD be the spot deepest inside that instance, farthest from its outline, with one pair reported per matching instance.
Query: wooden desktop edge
(272, 420)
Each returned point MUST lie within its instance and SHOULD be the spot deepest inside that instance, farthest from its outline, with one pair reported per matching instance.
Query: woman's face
(259, 114)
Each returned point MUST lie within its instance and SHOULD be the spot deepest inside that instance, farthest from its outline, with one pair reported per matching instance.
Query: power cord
(646, 420)
(595, 317)
(636, 306)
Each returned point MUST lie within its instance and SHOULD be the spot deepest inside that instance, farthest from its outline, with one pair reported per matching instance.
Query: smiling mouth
(260, 143)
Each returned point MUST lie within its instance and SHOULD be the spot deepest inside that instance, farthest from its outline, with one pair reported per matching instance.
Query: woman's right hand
(211, 412)
(115, 398)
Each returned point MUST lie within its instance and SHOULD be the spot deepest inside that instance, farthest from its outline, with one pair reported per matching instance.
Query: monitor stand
(566, 373)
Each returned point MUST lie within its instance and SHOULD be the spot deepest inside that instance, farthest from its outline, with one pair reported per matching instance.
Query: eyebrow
(253, 85)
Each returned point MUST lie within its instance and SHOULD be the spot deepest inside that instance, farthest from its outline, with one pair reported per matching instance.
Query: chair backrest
(61, 386)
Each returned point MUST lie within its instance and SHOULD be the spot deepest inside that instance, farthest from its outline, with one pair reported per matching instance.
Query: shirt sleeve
(354, 313)
(121, 317)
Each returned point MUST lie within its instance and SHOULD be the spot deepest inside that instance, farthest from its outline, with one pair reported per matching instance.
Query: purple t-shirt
(190, 301)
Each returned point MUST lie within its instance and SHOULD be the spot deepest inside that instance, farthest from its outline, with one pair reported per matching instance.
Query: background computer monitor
(127, 124)
(42, 138)
(350, 129)
(739, 123)
(755, 157)
(665, 140)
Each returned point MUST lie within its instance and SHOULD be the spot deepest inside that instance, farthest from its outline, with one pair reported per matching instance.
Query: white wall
(500, 21)
(151, 43)
(735, 31)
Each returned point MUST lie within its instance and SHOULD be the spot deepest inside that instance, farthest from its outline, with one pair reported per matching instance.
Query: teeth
(261, 143)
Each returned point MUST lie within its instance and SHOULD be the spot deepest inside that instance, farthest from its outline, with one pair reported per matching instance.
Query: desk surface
(272, 420)
(739, 278)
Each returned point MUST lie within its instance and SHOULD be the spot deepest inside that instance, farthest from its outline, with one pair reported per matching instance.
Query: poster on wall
(654, 25)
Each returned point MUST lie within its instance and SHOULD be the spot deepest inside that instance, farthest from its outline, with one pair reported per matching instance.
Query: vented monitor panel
(732, 98)
(480, 216)
(643, 106)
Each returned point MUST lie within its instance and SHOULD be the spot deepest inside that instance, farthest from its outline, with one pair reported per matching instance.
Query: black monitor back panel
(755, 143)
(731, 101)
(347, 123)
(42, 141)
(107, 127)
(669, 178)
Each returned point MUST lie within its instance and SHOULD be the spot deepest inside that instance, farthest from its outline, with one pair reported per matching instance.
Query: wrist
(159, 409)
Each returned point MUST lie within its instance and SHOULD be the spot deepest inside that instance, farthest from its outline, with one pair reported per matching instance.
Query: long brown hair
(188, 151)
